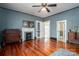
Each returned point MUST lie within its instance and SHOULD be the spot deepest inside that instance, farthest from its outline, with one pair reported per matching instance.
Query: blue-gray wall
(12, 19)
(72, 17)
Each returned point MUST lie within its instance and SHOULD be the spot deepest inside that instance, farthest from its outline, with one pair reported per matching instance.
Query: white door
(42, 30)
(62, 30)
(39, 29)
(47, 29)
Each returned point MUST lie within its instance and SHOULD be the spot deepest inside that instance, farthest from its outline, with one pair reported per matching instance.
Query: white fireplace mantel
(24, 30)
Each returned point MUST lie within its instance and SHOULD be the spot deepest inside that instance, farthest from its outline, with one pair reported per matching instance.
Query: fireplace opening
(28, 35)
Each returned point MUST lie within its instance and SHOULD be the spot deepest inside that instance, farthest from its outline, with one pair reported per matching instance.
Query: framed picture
(28, 24)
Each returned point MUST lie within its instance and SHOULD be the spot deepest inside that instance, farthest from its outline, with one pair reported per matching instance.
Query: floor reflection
(38, 47)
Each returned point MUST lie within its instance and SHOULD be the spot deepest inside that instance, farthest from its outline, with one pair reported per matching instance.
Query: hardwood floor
(38, 47)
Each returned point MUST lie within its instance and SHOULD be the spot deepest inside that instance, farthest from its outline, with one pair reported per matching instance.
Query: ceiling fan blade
(36, 5)
(52, 5)
(47, 10)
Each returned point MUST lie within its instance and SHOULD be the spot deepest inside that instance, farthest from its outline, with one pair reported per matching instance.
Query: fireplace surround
(27, 30)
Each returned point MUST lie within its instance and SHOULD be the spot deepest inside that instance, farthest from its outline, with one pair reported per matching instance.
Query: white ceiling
(27, 8)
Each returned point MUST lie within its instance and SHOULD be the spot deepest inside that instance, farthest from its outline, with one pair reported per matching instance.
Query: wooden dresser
(72, 35)
(12, 35)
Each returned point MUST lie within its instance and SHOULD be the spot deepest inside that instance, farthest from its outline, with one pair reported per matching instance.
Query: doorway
(47, 29)
(62, 30)
(39, 29)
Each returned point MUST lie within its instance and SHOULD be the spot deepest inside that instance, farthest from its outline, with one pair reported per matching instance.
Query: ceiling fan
(45, 6)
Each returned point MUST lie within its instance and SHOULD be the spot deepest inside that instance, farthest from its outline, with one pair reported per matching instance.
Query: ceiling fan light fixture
(43, 9)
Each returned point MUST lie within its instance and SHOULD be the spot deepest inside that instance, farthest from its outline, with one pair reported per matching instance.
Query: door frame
(66, 36)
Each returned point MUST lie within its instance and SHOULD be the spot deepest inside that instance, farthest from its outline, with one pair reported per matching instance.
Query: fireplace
(28, 35)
